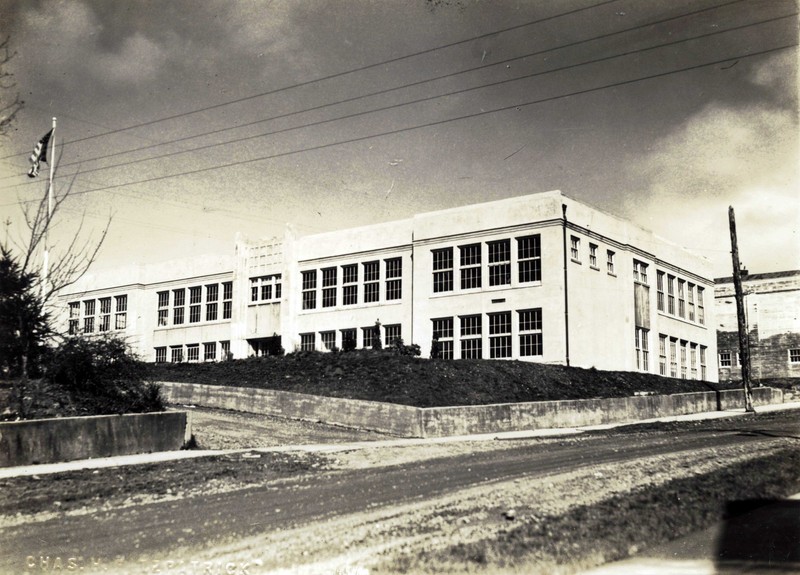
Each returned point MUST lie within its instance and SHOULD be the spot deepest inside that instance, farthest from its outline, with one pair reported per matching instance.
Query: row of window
(358, 283)
(265, 288)
(575, 255)
(522, 326)
(95, 315)
(690, 304)
(331, 339)
(681, 358)
(211, 351)
(726, 358)
(203, 304)
(500, 260)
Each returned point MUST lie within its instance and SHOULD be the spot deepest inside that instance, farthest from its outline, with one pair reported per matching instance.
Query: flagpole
(49, 210)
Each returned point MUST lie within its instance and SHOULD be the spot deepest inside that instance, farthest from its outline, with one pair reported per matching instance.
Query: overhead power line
(447, 94)
(338, 74)
(445, 121)
(387, 91)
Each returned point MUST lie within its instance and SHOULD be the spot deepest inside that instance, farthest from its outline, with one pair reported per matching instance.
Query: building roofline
(762, 276)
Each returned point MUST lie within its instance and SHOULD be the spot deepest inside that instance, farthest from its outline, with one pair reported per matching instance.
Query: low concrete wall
(393, 419)
(407, 421)
(69, 438)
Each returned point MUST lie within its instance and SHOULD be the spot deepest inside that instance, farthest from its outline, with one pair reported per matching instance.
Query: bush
(103, 376)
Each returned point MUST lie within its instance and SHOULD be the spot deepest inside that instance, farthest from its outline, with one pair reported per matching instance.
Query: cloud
(745, 156)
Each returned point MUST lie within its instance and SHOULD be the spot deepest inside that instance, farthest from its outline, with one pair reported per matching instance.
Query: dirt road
(378, 509)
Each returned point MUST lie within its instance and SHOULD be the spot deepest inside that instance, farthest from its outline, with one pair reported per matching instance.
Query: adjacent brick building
(772, 311)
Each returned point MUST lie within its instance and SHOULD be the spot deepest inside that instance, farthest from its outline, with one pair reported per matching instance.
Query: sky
(186, 122)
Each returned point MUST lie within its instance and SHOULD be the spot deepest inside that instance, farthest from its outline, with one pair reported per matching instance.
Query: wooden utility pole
(744, 338)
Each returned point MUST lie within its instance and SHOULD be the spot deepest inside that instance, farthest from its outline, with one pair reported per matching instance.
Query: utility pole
(744, 338)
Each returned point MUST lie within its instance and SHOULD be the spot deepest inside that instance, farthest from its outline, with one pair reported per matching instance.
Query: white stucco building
(536, 278)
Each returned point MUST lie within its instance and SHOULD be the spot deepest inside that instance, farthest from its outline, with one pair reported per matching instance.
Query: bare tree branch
(8, 110)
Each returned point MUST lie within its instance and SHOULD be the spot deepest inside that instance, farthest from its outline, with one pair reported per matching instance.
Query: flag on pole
(39, 154)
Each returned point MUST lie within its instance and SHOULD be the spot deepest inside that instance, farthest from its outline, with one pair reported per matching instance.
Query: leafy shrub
(103, 376)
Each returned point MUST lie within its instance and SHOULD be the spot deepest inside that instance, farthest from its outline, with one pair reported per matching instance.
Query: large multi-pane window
(529, 259)
(394, 281)
(673, 357)
(610, 262)
(683, 359)
(642, 349)
(701, 312)
(212, 296)
(593, 256)
(121, 312)
(640, 271)
(693, 359)
(372, 278)
(794, 355)
(329, 287)
(348, 337)
(161, 354)
(703, 362)
(176, 353)
(74, 317)
(681, 298)
(575, 248)
(368, 336)
(443, 333)
(307, 342)
(671, 295)
(210, 351)
(470, 266)
(499, 262)
(471, 343)
(660, 291)
(725, 359)
(227, 300)
(350, 284)
(178, 303)
(193, 352)
(88, 316)
(309, 289)
(105, 314)
(328, 339)
(393, 333)
(195, 296)
(690, 300)
(442, 270)
(530, 332)
(500, 335)
(662, 354)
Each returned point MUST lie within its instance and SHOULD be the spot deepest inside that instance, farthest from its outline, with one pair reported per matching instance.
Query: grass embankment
(384, 376)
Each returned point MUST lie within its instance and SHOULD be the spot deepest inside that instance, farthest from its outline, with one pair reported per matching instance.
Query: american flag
(39, 154)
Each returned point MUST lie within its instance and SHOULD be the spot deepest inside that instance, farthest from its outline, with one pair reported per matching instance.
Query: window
(348, 336)
(662, 354)
(500, 335)
(194, 313)
(703, 362)
(442, 270)
(161, 354)
(593, 256)
(307, 341)
(193, 352)
(671, 295)
(530, 332)
(470, 266)
(372, 277)
(121, 317)
(693, 359)
(690, 299)
(673, 357)
(211, 312)
(212, 292)
(225, 347)
(194, 295)
(681, 298)
(178, 301)
(642, 349)
(443, 332)
(683, 360)
(328, 339)
(640, 272)
(88, 316)
(394, 283)
(210, 351)
(105, 314)
(725, 359)
(794, 355)
(660, 291)
(329, 287)
(392, 333)
(471, 344)
(74, 317)
(163, 307)
(701, 313)
(350, 284)
(310, 289)
(176, 353)
(227, 300)
(368, 336)
(529, 259)
(499, 262)
(610, 262)
(575, 248)
(253, 289)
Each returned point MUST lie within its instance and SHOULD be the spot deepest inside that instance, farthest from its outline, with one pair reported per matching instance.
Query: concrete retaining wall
(70, 438)
(389, 418)
(407, 421)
